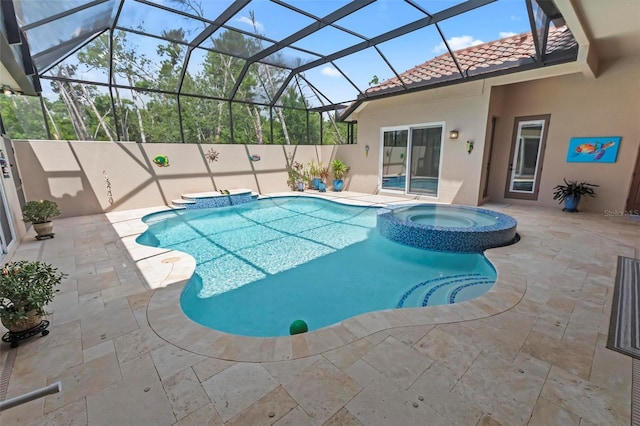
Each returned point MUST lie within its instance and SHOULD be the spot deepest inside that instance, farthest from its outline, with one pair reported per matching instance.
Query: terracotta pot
(32, 320)
(45, 228)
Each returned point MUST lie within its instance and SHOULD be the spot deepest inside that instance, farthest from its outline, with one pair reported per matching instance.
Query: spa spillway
(447, 228)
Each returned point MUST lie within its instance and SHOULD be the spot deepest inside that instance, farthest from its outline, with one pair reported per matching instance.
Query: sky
(496, 20)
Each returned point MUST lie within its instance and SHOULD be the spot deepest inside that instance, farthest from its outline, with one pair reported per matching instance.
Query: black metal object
(405, 29)
(224, 21)
(60, 15)
(44, 236)
(14, 338)
(10, 22)
(299, 35)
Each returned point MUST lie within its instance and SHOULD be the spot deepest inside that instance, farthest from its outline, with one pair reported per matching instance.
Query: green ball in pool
(297, 327)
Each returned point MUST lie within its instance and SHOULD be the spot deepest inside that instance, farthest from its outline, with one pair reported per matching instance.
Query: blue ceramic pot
(338, 184)
(571, 203)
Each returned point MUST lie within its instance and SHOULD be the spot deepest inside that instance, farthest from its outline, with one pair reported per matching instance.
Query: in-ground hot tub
(447, 228)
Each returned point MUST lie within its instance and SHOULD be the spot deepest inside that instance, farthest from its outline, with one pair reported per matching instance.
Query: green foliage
(339, 168)
(314, 168)
(87, 111)
(296, 172)
(40, 211)
(573, 189)
(323, 172)
(22, 117)
(26, 286)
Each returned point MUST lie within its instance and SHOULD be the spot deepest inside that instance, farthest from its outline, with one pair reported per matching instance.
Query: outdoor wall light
(453, 134)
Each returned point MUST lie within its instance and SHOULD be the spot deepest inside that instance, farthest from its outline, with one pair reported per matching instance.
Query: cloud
(515, 18)
(249, 22)
(504, 34)
(330, 72)
(457, 43)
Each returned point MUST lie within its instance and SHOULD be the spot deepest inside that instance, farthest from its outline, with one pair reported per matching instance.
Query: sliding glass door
(411, 159)
(425, 160)
(394, 159)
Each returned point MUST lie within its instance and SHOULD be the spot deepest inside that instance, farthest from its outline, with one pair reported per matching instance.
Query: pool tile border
(168, 271)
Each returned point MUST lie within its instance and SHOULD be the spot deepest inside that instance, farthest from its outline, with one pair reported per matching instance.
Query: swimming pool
(262, 265)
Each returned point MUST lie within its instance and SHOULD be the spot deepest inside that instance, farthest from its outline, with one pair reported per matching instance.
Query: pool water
(417, 183)
(445, 216)
(262, 265)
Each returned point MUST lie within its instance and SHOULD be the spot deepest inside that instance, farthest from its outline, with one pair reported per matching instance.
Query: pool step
(468, 291)
(181, 202)
(443, 290)
(201, 200)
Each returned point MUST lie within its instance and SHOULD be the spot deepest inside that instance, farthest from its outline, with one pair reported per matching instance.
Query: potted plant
(39, 213)
(26, 287)
(339, 170)
(571, 192)
(324, 175)
(314, 172)
(299, 175)
(292, 174)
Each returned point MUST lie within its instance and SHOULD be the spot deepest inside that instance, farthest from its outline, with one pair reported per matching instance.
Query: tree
(22, 117)
(128, 62)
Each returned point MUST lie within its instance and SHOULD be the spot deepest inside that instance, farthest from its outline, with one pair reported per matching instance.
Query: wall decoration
(254, 157)
(108, 185)
(593, 150)
(212, 155)
(366, 150)
(161, 160)
(469, 147)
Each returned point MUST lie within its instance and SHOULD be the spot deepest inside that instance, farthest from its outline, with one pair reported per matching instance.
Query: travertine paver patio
(531, 351)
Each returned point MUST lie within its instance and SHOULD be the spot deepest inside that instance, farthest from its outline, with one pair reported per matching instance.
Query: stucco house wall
(580, 107)
(461, 107)
(82, 176)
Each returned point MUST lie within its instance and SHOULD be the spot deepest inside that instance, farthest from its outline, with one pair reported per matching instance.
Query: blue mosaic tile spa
(448, 228)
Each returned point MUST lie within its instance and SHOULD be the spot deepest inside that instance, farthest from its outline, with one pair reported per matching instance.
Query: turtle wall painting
(593, 150)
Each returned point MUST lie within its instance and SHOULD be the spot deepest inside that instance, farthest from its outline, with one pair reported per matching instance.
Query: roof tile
(500, 52)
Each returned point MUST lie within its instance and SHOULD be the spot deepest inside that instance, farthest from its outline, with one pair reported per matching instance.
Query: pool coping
(168, 271)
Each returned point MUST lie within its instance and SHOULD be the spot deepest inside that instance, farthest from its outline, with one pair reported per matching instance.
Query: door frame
(634, 190)
(538, 173)
(408, 128)
(5, 246)
(381, 157)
